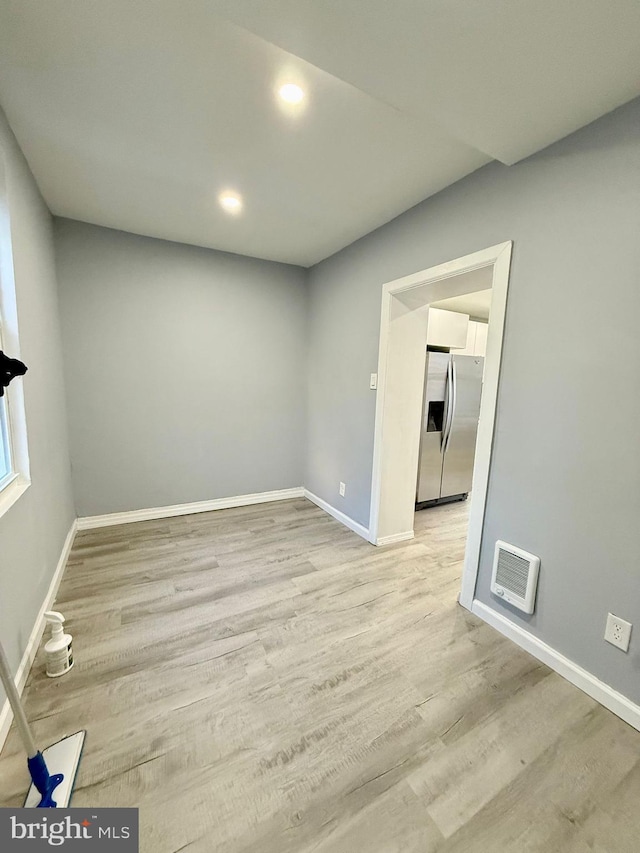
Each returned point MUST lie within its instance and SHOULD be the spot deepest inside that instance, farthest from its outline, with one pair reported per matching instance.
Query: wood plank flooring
(261, 679)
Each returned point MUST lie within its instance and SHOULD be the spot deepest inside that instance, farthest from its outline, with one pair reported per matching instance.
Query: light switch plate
(373, 384)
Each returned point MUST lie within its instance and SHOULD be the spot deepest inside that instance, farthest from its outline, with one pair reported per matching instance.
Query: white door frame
(499, 257)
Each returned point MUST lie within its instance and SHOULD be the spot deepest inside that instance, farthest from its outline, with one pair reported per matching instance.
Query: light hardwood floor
(261, 679)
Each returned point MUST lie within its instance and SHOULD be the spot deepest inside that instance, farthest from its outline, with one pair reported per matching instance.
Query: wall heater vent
(515, 576)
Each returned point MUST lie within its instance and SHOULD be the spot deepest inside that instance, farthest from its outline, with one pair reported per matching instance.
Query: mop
(52, 771)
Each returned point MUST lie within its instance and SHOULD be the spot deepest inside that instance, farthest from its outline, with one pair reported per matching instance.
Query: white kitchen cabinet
(447, 328)
(470, 346)
(476, 343)
(481, 338)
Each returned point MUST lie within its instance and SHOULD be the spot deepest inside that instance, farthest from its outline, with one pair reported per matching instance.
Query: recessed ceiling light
(291, 93)
(231, 202)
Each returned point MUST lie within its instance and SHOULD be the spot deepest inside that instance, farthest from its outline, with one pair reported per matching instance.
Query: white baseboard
(92, 521)
(592, 686)
(395, 537)
(6, 714)
(339, 516)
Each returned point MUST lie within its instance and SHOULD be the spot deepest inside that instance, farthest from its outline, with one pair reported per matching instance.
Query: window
(14, 456)
(6, 468)
(9, 462)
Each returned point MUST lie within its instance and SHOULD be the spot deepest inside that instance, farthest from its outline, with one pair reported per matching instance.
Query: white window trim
(16, 483)
(10, 494)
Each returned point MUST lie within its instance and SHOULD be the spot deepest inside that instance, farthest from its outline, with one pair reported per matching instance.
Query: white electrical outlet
(342, 489)
(617, 632)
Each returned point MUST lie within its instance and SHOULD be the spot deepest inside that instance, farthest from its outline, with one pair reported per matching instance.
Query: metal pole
(14, 701)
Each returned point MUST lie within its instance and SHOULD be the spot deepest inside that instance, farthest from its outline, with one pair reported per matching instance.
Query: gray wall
(33, 531)
(565, 479)
(185, 370)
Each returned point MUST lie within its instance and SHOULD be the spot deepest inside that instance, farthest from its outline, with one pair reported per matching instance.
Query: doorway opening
(401, 373)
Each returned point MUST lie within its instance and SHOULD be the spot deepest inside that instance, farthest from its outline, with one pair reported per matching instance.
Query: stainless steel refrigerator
(452, 390)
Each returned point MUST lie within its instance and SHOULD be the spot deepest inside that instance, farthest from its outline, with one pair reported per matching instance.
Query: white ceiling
(477, 305)
(135, 115)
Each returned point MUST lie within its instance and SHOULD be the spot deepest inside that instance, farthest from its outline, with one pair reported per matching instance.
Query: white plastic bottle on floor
(58, 650)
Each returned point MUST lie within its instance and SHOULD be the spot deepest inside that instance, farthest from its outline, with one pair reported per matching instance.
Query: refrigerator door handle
(449, 412)
(451, 409)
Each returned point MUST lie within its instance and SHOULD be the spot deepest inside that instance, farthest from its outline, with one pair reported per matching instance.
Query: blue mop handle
(42, 779)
